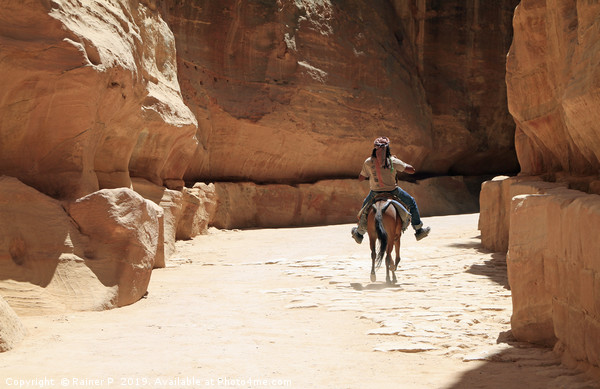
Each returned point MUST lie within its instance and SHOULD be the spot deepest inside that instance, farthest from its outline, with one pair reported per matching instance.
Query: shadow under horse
(385, 224)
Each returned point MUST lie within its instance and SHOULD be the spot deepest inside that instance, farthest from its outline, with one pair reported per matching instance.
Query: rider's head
(381, 151)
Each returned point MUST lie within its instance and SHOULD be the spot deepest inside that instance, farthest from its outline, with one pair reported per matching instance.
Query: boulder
(198, 209)
(495, 206)
(124, 232)
(531, 319)
(12, 330)
(186, 212)
(553, 271)
(494, 215)
(171, 202)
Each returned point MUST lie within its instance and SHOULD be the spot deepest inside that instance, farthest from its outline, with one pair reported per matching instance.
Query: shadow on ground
(523, 366)
(374, 286)
(494, 269)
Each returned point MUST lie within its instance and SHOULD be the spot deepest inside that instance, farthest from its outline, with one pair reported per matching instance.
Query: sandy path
(295, 308)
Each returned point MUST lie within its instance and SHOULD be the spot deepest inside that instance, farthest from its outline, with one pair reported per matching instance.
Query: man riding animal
(381, 169)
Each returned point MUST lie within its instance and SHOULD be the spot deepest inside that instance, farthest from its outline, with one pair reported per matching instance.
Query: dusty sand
(295, 308)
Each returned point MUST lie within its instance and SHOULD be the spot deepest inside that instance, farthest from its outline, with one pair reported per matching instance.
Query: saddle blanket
(400, 209)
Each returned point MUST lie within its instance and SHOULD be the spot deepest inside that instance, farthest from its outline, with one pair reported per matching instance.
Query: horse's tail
(381, 235)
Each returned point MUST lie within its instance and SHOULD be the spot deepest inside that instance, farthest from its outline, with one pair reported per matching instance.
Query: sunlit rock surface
(90, 97)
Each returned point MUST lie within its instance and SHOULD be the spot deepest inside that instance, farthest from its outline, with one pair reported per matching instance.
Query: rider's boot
(356, 235)
(422, 232)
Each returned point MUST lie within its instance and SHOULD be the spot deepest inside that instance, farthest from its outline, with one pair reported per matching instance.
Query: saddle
(391, 200)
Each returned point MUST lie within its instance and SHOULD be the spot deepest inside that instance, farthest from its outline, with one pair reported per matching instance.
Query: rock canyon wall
(90, 97)
(296, 91)
(127, 124)
(548, 217)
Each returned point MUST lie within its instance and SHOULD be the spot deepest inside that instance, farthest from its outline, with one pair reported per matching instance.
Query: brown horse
(384, 224)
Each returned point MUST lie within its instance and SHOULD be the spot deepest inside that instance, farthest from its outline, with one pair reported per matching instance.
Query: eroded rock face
(296, 91)
(90, 97)
(282, 89)
(553, 82)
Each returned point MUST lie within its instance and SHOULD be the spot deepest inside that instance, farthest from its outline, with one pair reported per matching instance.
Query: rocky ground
(295, 308)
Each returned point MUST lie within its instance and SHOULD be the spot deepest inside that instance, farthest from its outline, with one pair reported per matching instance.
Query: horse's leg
(388, 269)
(373, 255)
(390, 226)
(372, 243)
(395, 263)
(397, 246)
(391, 265)
(397, 236)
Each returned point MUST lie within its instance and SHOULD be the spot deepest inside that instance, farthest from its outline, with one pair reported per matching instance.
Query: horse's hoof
(373, 277)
